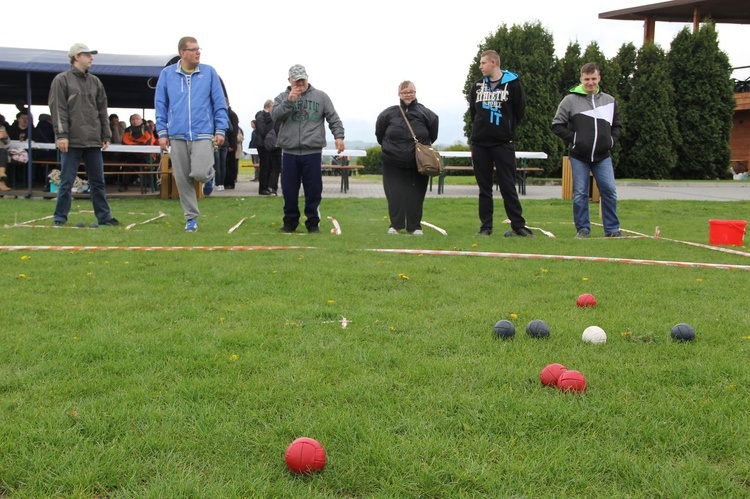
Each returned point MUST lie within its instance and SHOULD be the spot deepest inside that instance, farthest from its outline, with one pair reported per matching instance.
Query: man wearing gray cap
(300, 110)
(78, 104)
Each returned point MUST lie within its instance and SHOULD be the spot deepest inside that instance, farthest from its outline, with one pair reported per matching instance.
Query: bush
(371, 161)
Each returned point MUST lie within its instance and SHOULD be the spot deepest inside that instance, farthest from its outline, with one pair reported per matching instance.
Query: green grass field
(130, 373)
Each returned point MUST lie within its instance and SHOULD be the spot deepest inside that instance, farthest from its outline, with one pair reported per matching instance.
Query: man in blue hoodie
(587, 119)
(191, 114)
(301, 111)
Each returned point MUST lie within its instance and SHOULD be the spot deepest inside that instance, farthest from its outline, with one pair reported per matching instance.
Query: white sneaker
(219, 187)
(391, 230)
(418, 232)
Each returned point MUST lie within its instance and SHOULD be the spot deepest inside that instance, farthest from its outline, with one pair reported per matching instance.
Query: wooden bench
(521, 172)
(143, 170)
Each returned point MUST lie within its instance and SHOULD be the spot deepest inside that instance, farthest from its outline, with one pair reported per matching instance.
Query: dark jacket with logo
(393, 134)
(590, 124)
(496, 113)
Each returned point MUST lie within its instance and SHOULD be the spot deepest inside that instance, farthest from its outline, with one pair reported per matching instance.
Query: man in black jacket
(497, 106)
(263, 125)
(588, 120)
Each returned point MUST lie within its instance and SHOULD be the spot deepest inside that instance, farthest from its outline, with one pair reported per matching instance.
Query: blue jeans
(69, 161)
(604, 175)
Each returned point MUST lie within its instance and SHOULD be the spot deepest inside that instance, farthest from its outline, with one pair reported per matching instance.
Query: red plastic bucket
(726, 232)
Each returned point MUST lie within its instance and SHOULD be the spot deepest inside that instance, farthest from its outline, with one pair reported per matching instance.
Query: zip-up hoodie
(78, 104)
(302, 130)
(190, 106)
(590, 124)
(495, 114)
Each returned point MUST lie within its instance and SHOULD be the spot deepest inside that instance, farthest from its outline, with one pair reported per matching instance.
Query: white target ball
(594, 335)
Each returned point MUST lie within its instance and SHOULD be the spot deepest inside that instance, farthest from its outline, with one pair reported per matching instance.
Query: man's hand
(340, 145)
(219, 140)
(294, 93)
(105, 145)
(62, 144)
(164, 143)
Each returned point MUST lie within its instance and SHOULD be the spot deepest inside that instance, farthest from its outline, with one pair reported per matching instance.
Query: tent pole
(29, 134)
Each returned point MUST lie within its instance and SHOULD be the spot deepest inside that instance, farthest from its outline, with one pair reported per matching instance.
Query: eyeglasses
(408, 92)
(194, 49)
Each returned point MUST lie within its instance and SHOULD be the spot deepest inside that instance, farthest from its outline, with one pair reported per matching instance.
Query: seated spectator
(117, 130)
(137, 134)
(19, 130)
(4, 140)
(43, 132)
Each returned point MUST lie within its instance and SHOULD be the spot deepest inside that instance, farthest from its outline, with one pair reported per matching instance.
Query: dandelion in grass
(404, 277)
(391, 329)
(23, 276)
(514, 316)
(544, 271)
(274, 271)
(699, 280)
(331, 302)
(233, 357)
(221, 320)
(25, 257)
(627, 334)
(89, 274)
(585, 279)
(746, 337)
(76, 338)
(474, 245)
(127, 262)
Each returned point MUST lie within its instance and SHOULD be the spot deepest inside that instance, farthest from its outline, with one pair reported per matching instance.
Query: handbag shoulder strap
(416, 141)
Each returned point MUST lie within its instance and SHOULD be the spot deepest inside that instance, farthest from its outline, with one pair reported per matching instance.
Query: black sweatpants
(405, 189)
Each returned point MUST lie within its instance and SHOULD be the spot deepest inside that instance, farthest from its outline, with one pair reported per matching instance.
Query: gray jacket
(302, 130)
(78, 104)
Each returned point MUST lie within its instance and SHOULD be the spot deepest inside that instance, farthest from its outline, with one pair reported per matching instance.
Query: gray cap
(80, 48)
(297, 72)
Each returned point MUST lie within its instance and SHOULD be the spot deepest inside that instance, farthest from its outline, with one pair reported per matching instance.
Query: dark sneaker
(191, 225)
(111, 221)
(484, 232)
(313, 230)
(58, 223)
(287, 230)
(614, 234)
(522, 232)
(582, 234)
(208, 187)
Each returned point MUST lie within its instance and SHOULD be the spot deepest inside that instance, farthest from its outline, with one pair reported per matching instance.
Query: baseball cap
(79, 48)
(297, 72)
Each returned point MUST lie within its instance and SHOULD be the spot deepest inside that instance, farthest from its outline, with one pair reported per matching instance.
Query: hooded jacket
(78, 104)
(301, 129)
(495, 113)
(590, 124)
(190, 106)
(393, 133)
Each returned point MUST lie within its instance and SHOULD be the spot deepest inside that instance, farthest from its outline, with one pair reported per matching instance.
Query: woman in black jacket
(404, 186)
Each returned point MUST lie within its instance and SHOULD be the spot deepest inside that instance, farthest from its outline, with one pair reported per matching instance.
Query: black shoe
(484, 232)
(522, 232)
(287, 230)
(58, 223)
(264, 193)
(313, 230)
(582, 234)
(111, 221)
(228, 187)
(614, 234)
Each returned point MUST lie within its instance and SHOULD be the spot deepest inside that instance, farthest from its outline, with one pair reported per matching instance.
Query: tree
(648, 147)
(529, 51)
(570, 68)
(704, 101)
(619, 83)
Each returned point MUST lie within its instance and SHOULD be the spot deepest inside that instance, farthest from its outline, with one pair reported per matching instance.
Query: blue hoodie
(190, 106)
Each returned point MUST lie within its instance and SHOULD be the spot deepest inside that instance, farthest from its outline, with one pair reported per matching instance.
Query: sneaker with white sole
(391, 230)
(208, 187)
(418, 232)
(191, 225)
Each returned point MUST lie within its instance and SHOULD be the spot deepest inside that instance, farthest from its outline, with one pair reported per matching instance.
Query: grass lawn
(177, 373)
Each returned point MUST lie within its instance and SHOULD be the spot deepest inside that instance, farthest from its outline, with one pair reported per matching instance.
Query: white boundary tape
(527, 256)
(151, 248)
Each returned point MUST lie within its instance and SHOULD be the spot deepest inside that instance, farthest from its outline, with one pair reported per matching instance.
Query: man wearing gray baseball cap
(301, 110)
(78, 104)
